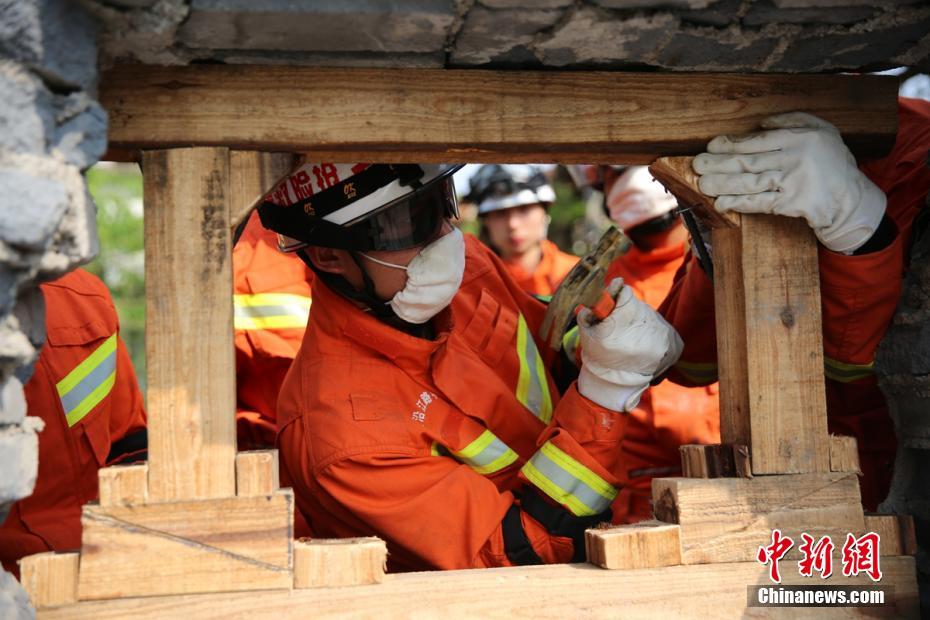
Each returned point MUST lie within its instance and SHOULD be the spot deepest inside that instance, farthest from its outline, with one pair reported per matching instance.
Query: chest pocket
(83, 362)
(491, 329)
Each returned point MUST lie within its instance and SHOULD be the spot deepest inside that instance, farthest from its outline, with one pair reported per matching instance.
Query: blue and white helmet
(503, 186)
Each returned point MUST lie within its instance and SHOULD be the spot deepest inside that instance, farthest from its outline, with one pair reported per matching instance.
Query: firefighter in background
(421, 407)
(272, 303)
(513, 206)
(862, 216)
(84, 389)
(669, 415)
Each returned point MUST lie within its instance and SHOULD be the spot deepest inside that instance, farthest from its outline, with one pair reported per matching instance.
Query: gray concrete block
(12, 402)
(654, 4)
(14, 602)
(526, 4)
(26, 121)
(33, 207)
(704, 51)
(806, 4)
(431, 60)
(592, 36)
(81, 133)
(488, 35)
(720, 14)
(762, 14)
(15, 351)
(55, 38)
(289, 25)
(144, 34)
(19, 458)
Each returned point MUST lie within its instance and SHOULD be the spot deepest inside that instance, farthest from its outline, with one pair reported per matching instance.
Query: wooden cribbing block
(256, 473)
(237, 543)
(728, 519)
(335, 562)
(50, 578)
(648, 544)
(188, 322)
(123, 484)
(897, 533)
(715, 461)
(769, 336)
(844, 454)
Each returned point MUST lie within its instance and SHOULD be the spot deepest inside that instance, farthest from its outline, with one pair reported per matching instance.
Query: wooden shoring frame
(182, 122)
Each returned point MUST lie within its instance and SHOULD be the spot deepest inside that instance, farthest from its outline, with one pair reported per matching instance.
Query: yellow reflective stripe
(570, 343)
(532, 384)
(270, 311)
(568, 482)
(486, 454)
(92, 400)
(434, 449)
(846, 373)
(87, 366)
(699, 372)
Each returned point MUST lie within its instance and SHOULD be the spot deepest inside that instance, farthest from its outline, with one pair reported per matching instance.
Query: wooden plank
(50, 578)
(191, 368)
(257, 473)
(558, 592)
(844, 454)
(680, 179)
(422, 115)
(251, 175)
(898, 536)
(728, 519)
(195, 546)
(647, 544)
(715, 461)
(123, 484)
(322, 563)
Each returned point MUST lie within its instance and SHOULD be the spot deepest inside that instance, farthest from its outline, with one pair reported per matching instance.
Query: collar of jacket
(340, 317)
(659, 256)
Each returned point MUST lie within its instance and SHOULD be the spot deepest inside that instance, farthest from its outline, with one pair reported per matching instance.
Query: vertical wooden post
(770, 343)
(191, 370)
(252, 174)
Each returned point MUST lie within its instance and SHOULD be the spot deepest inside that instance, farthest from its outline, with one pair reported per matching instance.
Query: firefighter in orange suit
(513, 203)
(84, 388)
(272, 302)
(669, 415)
(438, 427)
(862, 217)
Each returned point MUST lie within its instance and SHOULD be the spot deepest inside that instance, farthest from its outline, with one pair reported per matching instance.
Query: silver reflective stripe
(532, 385)
(271, 311)
(486, 454)
(568, 482)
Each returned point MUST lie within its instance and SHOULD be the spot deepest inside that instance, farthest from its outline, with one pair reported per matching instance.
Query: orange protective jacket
(84, 388)
(553, 267)
(668, 415)
(272, 303)
(428, 443)
(859, 295)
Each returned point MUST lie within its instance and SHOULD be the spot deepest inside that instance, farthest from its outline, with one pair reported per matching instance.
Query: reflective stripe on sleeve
(487, 454)
(570, 342)
(568, 482)
(702, 373)
(270, 311)
(846, 373)
(89, 382)
(532, 385)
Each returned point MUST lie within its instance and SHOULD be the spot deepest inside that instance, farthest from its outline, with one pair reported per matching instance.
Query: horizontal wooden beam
(425, 115)
(564, 591)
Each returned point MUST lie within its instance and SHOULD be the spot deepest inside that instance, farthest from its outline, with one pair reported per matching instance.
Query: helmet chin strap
(368, 297)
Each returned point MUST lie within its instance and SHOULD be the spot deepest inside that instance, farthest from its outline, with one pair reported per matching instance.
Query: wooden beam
(322, 563)
(728, 519)
(898, 536)
(257, 473)
(647, 544)
(423, 115)
(123, 484)
(558, 592)
(50, 578)
(251, 175)
(239, 543)
(188, 290)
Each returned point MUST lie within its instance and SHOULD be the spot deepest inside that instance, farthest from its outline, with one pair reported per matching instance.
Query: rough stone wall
(51, 129)
(689, 35)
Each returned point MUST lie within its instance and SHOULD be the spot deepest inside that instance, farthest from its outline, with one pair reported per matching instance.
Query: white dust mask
(433, 278)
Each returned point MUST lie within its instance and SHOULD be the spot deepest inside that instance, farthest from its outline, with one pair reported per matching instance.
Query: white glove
(799, 168)
(621, 354)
